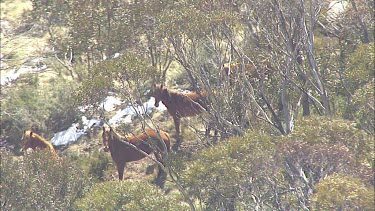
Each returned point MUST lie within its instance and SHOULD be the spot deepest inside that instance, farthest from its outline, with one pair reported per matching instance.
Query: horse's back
(164, 136)
(185, 105)
(122, 152)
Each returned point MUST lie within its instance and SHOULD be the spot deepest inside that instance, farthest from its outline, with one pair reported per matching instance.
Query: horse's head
(106, 136)
(27, 140)
(159, 92)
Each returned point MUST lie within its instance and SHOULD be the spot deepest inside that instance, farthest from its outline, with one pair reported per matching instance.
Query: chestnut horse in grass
(179, 105)
(33, 140)
(148, 142)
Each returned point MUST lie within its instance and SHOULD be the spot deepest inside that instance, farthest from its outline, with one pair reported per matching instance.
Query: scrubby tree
(37, 181)
(259, 171)
(128, 195)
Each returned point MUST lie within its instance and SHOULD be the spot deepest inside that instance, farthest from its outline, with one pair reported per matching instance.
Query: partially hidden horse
(148, 142)
(230, 71)
(33, 140)
(179, 105)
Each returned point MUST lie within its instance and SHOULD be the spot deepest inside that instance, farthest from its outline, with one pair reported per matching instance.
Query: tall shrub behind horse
(148, 142)
(179, 105)
(33, 140)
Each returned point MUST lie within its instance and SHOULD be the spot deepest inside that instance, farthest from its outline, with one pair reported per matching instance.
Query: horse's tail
(53, 151)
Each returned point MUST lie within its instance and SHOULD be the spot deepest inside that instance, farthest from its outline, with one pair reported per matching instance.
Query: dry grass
(12, 10)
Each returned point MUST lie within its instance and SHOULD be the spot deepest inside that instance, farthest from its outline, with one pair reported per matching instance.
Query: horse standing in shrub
(33, 140)
(179, 105)
(148, 142)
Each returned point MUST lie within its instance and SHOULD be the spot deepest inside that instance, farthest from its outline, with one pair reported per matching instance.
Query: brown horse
(230, 71)
(179, 105)
(33, 140)
(148, 142)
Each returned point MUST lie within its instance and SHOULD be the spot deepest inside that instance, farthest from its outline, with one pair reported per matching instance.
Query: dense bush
(46, 109)
(324, 132)
(236, 174)
(320, 147)
(258, 171)
(37, 181)
(128, 195)
(363, 107)
(95, 164)
(338, 192)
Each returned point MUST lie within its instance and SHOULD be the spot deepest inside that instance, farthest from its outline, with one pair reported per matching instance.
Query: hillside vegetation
(290, 103)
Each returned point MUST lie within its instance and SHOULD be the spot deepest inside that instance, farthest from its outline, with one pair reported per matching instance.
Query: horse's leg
(208, 130)
(120, 170)
(162, 175)
(216, 132)
(177, 122)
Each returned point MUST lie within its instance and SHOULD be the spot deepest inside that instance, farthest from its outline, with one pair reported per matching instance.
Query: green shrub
(320, 147)
(259, 171)
(99, 165)
(360, 67)
(338, 192)
(363, 107)
(95, 164)
(228, 175)
(128, 195)
(37, 181)
(45, 108)
(329, 131)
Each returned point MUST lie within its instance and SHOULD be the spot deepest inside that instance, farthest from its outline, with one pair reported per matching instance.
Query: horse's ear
(161, 86)
(31, 133)
(103, 129)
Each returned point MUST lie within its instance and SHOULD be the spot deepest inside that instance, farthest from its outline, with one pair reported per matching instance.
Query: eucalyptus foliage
(39, 181)
(128, 195)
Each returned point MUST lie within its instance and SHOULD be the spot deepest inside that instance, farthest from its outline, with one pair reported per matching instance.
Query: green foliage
(128, 195)
(238, 165)
(50, 12)
(320, 147)
(258, 171)
(99, 165)
(363, 103)
(19, 108)
(38, 181)
(360, 66)
(95, 164)
(126, 74)
(45, 109)
(330, 132)
(187, 21)
(339, 192)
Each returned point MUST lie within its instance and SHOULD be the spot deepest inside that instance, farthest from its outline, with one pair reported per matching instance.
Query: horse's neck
(167, 99)
(41, 144)
(118, 142)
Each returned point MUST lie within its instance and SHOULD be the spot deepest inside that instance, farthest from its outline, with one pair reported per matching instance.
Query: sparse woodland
(290, 103)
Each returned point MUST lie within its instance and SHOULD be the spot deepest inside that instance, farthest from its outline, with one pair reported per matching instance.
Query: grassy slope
(19, 45)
